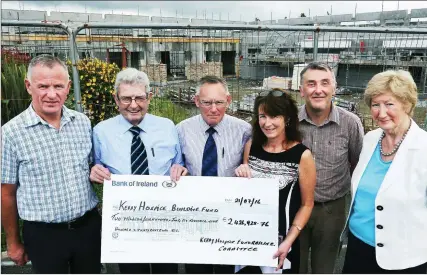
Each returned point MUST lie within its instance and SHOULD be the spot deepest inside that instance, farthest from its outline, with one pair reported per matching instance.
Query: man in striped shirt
(226, 134)
(334, 137)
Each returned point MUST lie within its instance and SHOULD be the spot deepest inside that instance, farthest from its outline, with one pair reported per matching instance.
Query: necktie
(138, 157)
(210, 156)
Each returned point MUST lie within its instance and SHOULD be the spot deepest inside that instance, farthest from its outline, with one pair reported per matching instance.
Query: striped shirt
(49, 166)
(336, 146)
(230, 139)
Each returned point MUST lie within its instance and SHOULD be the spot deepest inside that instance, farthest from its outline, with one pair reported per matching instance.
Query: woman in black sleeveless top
(276, 151)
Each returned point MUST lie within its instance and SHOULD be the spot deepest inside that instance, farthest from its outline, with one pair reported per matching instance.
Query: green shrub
(14, 95)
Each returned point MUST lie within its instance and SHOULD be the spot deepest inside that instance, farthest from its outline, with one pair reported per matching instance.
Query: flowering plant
(97, 79)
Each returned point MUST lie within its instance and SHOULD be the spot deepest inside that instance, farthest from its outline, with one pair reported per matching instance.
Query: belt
(73, 224)
(327, 202)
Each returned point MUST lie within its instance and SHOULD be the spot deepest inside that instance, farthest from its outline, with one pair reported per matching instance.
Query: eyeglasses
(218, 103)
(275, 93)
(128, 99)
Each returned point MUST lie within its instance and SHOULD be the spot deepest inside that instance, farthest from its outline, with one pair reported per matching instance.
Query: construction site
(176, 52)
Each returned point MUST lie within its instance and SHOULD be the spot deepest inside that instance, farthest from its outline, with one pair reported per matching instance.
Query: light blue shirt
(112, 144)
(362, 218)
(49, 166)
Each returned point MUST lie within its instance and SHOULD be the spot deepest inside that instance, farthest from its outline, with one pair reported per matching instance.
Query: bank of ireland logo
(115, 235)
(169, 184)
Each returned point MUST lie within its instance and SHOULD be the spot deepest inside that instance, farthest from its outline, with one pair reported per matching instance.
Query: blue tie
(138, 157)
(210, 156)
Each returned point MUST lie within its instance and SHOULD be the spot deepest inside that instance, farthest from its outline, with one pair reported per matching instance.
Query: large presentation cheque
(205, 220)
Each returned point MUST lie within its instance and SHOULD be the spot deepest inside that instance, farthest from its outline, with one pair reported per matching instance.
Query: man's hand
(16, 253)
(99, 173)
(177, 171)
(243, 171)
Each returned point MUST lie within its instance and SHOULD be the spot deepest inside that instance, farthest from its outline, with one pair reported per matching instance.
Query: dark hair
(283, 105)
(320, 66)
(212, 79)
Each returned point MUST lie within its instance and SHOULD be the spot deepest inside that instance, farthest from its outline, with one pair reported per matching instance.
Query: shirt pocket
(35, 167)
(335, 151)
(77, 155)
(231, 159)
(36, 172)
(78, 151)
(160, 158)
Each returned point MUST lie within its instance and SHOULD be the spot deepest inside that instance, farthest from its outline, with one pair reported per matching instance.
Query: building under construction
(234, 49)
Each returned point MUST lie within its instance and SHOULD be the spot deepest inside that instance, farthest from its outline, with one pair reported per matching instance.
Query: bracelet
(297, 227)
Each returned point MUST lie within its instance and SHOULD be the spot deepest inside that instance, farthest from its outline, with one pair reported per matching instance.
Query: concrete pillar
(423, 80)
(197, 53)
(152, 55)
(407, 21)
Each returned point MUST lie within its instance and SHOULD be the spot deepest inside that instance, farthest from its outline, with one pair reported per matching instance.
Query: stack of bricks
(157, 73)
(277, 82)
(196, 71)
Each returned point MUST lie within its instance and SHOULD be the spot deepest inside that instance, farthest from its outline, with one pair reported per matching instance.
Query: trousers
(322, 236)
(65, 247)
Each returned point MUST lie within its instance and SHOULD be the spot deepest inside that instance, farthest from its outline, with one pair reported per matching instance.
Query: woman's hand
(243, 171)
(281, 253)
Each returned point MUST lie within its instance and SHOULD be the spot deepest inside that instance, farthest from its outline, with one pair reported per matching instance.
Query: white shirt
(230, 139)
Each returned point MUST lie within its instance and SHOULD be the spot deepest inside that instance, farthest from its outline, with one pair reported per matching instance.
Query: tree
(302, 15)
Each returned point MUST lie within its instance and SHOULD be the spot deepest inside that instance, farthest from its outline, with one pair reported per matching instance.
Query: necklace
(396, 147)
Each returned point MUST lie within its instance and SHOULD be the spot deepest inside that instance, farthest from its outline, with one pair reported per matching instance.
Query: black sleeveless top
(284, 166)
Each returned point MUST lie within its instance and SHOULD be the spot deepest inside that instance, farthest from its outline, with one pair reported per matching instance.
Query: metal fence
(25, 40)
(248, 56)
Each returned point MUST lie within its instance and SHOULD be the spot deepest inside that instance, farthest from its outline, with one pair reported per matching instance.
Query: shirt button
(380, 245)
(380, 208)
(379, 226)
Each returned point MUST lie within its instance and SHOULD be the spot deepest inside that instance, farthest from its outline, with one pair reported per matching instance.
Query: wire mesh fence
(18, 45)
(250, 58)
(254, 58)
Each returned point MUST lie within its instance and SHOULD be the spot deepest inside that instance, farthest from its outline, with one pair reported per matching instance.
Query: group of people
(318, 153)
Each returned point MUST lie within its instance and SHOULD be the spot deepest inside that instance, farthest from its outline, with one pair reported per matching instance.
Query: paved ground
(114, 269)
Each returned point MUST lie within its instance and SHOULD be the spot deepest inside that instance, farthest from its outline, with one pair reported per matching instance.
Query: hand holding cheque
(205, 220)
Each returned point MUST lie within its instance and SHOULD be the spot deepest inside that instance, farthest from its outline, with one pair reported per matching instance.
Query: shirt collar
(219, 128)
(32, 118)
(334, 115)
(125, 125)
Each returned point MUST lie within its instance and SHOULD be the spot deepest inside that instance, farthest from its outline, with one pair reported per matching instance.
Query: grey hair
(45, 60)
(319, 66)
(132, 76)
(211, 79)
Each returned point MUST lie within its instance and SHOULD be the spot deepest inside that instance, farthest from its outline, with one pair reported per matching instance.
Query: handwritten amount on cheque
(143, 206)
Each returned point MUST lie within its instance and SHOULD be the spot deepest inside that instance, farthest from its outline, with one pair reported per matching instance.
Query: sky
(218, 10)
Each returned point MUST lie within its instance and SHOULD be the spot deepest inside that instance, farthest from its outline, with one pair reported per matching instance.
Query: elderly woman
(388, 214)
(276, 151)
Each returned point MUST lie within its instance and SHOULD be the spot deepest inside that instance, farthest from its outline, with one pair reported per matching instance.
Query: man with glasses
(136, 143)
(212, 143)
(334, 137)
